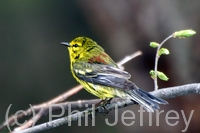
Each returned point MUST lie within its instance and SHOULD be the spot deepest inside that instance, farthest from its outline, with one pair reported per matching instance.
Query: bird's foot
(102, 104)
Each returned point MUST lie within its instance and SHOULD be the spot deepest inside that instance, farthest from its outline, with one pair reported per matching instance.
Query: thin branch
(156, 62)
(171, 92)
(165, 93)
(41, 108)
(128, 58)
(67, 94)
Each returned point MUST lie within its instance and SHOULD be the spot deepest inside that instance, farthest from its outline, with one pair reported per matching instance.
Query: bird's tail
(145, 99)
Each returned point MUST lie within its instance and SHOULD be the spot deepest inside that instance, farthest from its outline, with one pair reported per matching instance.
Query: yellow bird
(100, 75)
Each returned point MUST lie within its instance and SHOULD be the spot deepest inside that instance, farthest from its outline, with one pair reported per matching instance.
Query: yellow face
(82, 48)
(77, 46)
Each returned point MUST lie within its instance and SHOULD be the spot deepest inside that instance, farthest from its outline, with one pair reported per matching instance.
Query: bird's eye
(75, 45)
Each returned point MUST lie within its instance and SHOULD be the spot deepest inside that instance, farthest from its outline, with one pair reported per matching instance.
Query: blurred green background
(35, 67)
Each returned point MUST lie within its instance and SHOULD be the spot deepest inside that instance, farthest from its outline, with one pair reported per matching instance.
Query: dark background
(35, 67)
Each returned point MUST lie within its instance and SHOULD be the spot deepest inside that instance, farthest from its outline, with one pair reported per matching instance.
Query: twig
(156, 61)
(128, 58)
(41, 108)
(173, 92)
(170, 92)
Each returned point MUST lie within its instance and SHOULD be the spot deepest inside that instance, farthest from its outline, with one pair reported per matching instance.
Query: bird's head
(82, 47)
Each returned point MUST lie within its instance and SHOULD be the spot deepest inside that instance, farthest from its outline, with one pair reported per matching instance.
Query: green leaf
(184, 33)
(154, 44)
(162, 76)
(152, 74)
(163, 51)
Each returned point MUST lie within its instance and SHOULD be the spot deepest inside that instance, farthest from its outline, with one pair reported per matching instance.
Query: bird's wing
(113, 77)
(102, 74)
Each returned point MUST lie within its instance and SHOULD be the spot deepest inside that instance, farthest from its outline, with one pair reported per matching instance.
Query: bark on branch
(170, 92)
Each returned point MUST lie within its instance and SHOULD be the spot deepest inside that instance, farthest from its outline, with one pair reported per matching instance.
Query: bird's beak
(65, 43)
